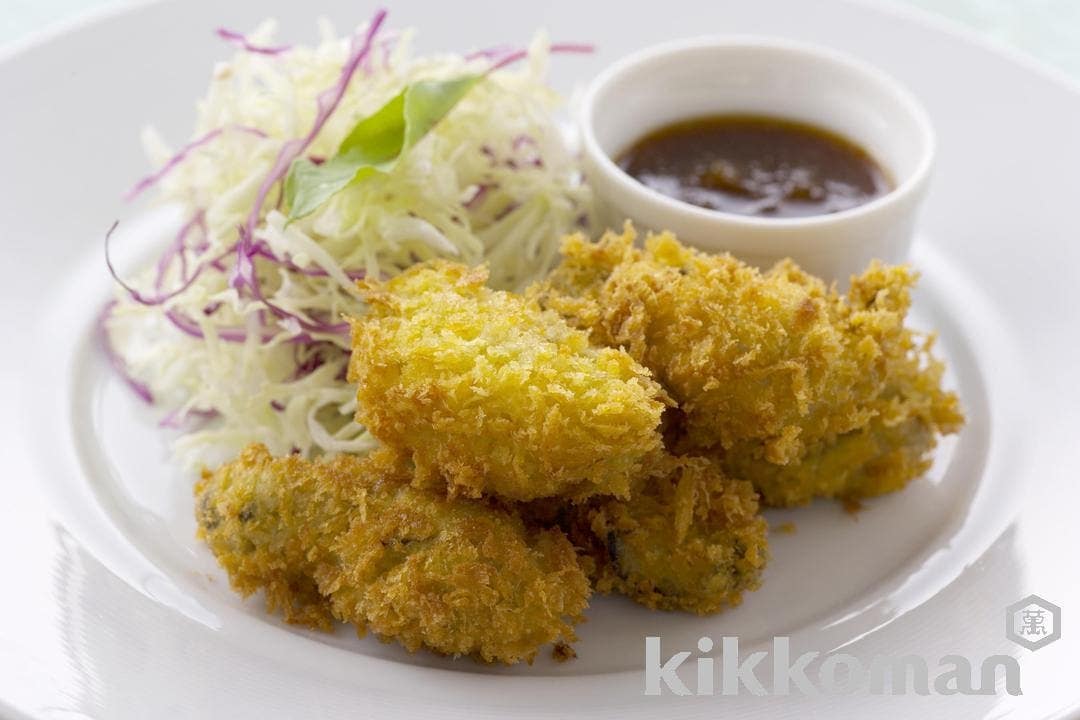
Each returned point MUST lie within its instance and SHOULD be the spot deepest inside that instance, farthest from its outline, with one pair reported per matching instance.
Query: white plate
(111, 609)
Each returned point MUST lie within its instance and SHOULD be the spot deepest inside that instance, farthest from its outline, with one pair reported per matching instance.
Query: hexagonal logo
(1033, 622)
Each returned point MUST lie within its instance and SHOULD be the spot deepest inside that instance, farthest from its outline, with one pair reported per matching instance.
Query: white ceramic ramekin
(766, 76)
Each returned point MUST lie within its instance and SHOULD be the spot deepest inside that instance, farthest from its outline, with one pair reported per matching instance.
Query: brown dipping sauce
(751, 165)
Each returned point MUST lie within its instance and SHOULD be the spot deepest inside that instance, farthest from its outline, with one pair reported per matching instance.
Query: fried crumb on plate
(563, 652)
(852, 506)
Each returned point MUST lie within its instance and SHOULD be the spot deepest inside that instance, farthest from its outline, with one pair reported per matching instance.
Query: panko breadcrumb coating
(484, 390)
(689, 538)
(801, 390)
(877, 459)
(351, 539)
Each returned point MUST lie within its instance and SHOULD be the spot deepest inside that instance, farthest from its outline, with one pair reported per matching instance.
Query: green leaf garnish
(375, 144)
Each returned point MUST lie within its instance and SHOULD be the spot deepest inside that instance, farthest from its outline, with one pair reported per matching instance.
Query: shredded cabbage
(265, 358)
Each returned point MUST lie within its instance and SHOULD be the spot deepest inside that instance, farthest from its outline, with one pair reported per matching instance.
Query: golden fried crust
(690, 538)
(768, 369)
(872, 461)
(488, 392)
(352, 539)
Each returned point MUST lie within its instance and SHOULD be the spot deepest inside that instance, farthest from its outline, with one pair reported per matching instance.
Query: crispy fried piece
(488, 392)
(690, 538)
(351, 539)
(875, 460)
(776, 374)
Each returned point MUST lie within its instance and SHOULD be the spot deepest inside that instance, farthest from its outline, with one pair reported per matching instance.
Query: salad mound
(311, 168)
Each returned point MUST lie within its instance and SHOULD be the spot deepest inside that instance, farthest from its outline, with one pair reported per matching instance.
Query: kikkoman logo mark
(1031, 622)
(836, 673)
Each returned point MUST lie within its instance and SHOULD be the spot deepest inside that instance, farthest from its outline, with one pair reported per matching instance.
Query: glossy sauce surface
(756, 165)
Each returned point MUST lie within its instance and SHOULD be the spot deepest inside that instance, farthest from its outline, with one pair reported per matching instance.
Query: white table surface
(1048, 30)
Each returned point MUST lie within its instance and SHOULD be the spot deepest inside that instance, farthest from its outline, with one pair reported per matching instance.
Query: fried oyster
(689, 538)
(484, 390)
(800, 390)
(352, 539)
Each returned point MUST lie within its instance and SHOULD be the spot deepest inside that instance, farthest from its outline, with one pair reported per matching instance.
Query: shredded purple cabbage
(241, 41)
(523, 140)
(490, 53)
(296, 322)
(263, 250)
(307, 365)
(153, 178)
(176, 418)
(244, 274)
(387, 45)
(326, 102)
(175, 250)
(178, 249)
(114, 358)
(478, 195)
(503, 56)
(189, 327)
(247, 248)
(229, 334)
